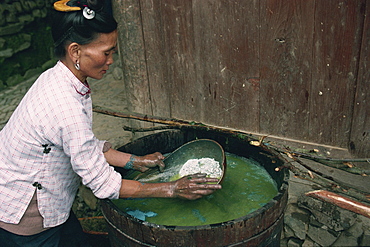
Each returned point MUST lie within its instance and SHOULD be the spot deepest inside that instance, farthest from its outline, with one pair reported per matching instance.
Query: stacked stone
(15, 17)
(10, 98)
(312, 222)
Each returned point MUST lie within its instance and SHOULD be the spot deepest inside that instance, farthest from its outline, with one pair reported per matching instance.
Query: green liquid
(246, 187)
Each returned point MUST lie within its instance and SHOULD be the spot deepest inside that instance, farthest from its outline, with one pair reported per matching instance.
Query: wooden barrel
(259, 228)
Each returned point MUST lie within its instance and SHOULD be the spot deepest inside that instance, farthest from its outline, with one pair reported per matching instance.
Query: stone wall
(25, 39)
(312, 222)
(309, 222)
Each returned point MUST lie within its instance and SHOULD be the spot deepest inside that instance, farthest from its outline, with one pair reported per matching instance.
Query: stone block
(17, 7)
(26, 37)
(32, 72)
(6, 53)
(23, 46)
(11, 29)
(333, 217)
(293, 242)
(351, 236)
(298, 220)
(31, 4)
(321, 235)
(287, 232)
(344, 240)
(2, 9)
(14, 80)
(49, 64)
(25, 19)
(26, 7)
(309, 243)
(283, 242)
(37, 13)
(356, 230)
(11, 15)
(2, 43)
(365, 238)
(40, 3)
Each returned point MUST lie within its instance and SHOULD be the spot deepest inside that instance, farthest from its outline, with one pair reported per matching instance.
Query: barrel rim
(282, 191)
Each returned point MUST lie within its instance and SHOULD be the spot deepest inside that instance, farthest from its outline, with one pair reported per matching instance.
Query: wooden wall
(291, 68)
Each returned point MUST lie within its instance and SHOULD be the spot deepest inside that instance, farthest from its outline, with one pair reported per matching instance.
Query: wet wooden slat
(226, 37)
(180, 63)
(156, 54)
(336, 48)
(293, 69)
(360, 132)
(286, 58)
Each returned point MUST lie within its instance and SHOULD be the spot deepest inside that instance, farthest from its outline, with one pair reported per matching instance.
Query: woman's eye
(110, 52)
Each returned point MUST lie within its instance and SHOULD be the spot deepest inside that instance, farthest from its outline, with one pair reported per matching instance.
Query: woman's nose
(110, 60)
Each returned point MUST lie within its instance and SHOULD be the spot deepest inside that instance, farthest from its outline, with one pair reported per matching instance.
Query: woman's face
(96, 56)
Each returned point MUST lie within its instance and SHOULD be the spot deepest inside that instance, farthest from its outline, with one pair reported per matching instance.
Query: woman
(48, 146)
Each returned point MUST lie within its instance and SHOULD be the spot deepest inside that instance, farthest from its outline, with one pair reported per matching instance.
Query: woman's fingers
(143, 163)
(195, 186)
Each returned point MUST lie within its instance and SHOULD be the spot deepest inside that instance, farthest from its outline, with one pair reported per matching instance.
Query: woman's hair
(73, 26)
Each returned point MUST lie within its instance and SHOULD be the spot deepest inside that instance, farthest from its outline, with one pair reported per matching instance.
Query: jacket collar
(80, 87)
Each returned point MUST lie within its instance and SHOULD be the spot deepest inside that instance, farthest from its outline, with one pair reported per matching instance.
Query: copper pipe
(341, 201)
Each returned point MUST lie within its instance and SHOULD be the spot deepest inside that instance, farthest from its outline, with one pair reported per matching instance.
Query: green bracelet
(130, 164)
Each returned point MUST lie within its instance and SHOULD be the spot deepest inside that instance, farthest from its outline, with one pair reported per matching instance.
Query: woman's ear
(74, 51)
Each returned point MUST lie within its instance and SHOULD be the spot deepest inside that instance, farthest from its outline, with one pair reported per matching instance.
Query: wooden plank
(132, 52)
(360, 131)
(177, 36)
(156, 53)
(286, 58)
(285, 68)
(226, 38)
(337, 40)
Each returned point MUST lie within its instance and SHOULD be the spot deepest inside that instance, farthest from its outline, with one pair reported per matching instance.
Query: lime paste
(209, 166)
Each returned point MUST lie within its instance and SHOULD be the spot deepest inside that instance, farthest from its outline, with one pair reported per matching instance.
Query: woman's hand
(143, 163)
(193, 187)
(130, 161)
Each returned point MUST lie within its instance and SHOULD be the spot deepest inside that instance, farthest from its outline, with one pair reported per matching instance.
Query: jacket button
(46, 149)
(37, 185)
